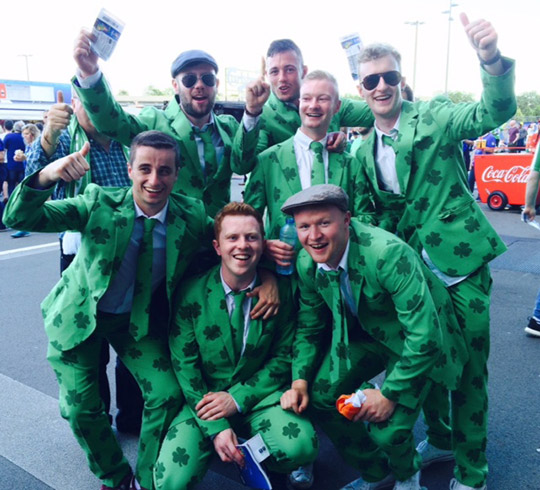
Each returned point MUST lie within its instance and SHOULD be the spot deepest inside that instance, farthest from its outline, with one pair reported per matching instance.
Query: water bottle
(288, 235)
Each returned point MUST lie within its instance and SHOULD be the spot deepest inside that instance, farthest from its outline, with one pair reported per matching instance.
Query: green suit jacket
(204, 357)
(436, 210)
(109, 118)
(279, 121)
(276, 178)
(395, 307)
(105, 218)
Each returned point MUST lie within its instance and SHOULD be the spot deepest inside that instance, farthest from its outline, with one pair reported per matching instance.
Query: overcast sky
(237, 33)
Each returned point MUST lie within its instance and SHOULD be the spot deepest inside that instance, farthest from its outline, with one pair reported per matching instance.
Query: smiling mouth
(382, 98)
(152, 191)
(319, 246)
(242, 257)
(313, 114)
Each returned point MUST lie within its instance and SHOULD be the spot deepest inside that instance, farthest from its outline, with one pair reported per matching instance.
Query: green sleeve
(354, 113)
(255, 193)
(28, 209)
(244, 149)
(109, 117)
(399, 274)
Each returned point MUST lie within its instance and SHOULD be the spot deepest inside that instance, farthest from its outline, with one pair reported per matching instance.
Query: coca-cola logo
(515, 174)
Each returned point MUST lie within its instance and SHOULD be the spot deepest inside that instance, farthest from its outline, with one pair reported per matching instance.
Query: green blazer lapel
(366, 155)
(176, 228)
(287, 163)
(217, 312)
(404, 148)
(181, 125)
(336, 166)
(124, 220)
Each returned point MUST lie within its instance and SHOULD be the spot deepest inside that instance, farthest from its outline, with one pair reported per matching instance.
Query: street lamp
(415, 23)
(449, 12)
(26, 56)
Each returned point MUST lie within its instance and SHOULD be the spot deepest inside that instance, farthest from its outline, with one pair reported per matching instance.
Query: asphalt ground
(37, 450)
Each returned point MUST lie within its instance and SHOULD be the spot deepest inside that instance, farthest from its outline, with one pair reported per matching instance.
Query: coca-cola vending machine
(501, 178)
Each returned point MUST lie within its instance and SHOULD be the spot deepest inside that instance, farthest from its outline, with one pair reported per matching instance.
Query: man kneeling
(367, 290)
(231, 368)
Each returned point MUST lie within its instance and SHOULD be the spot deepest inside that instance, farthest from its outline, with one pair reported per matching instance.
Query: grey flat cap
(317, 195)
(191, 57)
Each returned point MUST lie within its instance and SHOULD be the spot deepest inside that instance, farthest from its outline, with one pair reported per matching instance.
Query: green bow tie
(340, 362)
(317, 169)
(142, 294)
(389, 141)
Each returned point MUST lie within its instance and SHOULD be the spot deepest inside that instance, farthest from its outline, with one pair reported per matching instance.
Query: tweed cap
(191, 57)
(317, 195)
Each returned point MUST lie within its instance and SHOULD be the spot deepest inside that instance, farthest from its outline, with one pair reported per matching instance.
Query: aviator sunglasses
(209, 79)
(390, 77)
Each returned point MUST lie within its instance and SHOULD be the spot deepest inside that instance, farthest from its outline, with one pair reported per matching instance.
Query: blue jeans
(536, 312)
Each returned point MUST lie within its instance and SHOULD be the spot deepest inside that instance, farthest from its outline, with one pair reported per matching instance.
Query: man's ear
(175, 85)
(360, 89)
(215, 243)
(304, 71)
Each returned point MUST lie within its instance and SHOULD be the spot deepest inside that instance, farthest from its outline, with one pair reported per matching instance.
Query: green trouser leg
(77, 374)
(351, 439)
(185, 453)
(471, 299)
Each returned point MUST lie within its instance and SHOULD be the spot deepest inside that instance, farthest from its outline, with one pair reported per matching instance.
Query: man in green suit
(415, 170)
(302, 160)
(231, 368)
(366, 290)
(279, 118)
(118, 288)
(205, 139)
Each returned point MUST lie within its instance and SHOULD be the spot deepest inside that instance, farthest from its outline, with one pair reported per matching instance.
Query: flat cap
(317, 195)
(189, 58)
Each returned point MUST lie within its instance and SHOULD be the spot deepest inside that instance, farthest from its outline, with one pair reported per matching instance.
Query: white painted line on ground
(25, 250)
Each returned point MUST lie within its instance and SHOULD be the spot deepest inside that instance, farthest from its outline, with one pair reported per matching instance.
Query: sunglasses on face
(209, 79)
(390, 77)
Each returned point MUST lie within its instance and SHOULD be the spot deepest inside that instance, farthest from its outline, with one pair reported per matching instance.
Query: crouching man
(366, 291)
(231, 368)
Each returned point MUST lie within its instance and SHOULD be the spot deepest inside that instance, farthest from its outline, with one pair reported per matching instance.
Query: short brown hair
(236, 209)
(379, 50)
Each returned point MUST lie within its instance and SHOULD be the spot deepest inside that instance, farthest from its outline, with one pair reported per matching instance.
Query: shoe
(431, 454)
(20, 234)
(455, 485)
(361, 484)
(533, 328)
(412, 483)
(301, 478)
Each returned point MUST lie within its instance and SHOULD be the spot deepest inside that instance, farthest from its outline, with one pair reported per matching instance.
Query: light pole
(415, 23)
(26, 56)
(449, 12)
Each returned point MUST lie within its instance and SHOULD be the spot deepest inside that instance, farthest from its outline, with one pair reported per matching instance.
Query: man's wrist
(253, 112)
(491, 61)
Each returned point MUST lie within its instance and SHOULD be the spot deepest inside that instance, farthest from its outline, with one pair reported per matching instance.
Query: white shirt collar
(228, 289)
(393, 132)
(304, 140)
(161, 216)
(342, 263)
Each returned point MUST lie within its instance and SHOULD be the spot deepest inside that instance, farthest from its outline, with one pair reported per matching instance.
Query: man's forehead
(318, 86)
(284, 58)
(378, 65)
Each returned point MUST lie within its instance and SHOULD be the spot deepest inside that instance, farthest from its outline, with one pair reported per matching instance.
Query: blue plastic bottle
(288, 235)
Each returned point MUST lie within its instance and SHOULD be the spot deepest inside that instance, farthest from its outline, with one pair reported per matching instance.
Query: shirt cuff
(250, 122)
(237, 406)
(90, 81)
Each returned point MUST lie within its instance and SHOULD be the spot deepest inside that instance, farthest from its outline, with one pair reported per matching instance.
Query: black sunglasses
(209, 79)
(390, 77)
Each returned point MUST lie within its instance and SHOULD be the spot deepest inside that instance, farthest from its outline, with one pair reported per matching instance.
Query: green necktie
(142, 293)
(389, 141)
(317, 169)
(340, 362)
(238, 321)
(210, 157)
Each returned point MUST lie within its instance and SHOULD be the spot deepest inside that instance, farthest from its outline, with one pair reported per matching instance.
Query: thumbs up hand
(68, 169)
(57, 120)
